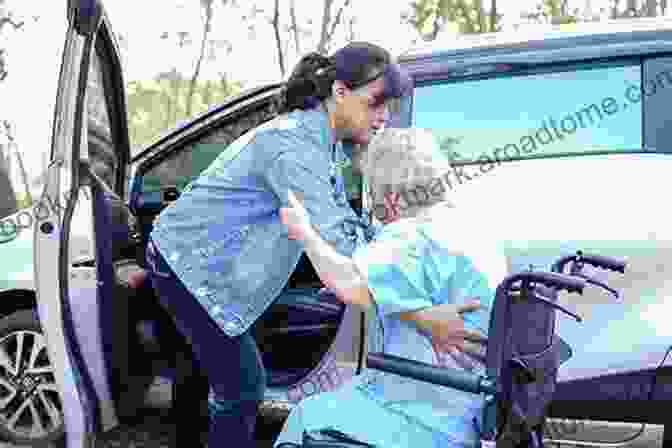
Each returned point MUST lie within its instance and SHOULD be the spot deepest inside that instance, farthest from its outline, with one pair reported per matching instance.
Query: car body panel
(530, 37)
(16, 262)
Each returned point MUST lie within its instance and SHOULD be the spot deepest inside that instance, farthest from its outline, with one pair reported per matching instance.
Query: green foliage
(23, 201)
(6, 20)
(429, 17)
(553, 11)
(158, 105)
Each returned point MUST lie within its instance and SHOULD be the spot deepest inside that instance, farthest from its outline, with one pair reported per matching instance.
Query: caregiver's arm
(336, 271)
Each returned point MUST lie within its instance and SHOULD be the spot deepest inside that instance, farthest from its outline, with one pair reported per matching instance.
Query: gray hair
(407, 161)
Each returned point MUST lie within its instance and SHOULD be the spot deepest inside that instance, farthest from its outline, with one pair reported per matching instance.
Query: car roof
(459, 57)
(616, 30)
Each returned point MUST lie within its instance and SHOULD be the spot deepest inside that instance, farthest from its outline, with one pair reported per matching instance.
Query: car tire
(31, 410)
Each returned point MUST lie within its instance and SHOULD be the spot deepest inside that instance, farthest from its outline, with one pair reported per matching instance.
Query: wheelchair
(523, 352)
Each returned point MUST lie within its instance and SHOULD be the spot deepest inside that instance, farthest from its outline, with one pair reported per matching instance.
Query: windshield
(541, 209)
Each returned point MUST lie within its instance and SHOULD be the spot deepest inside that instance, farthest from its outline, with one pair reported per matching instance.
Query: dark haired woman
(219, 256)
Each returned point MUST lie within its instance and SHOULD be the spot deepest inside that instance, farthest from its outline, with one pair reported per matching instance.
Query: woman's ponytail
(309, 83)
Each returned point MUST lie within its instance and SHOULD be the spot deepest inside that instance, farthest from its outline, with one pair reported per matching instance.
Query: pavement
(154, 430)
(155, 427)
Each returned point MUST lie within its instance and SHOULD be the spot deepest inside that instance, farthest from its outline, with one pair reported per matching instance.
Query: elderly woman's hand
(445, 326)
(448, 329)
(295, 218)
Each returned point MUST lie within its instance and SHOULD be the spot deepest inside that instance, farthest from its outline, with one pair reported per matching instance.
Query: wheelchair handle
(603, 262)
(558, 307)
(549, 279)
(592, 281)
(442, 376)
(599, 261)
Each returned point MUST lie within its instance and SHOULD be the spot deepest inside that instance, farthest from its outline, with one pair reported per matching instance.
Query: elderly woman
(428, 255)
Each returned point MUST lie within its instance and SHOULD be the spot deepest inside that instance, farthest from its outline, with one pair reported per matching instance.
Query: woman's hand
(295, 218)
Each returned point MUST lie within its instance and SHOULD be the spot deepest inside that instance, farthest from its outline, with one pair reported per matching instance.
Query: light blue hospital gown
(412, 264)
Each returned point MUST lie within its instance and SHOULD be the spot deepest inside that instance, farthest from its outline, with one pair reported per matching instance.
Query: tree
(293, 31)
(552, 11)
(8, 202)
(207, 23)
(146, 121)
(430, 17)
(8, 199)
(278, 40)
(329, 26)
(295, 26)
(638, 8)
(6, 20)
(651, 6)
(11, 148)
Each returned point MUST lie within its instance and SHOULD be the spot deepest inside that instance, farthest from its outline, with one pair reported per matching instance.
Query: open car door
(89, 145)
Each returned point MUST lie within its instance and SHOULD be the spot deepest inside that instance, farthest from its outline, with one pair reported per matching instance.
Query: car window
(104, 163)
(10, 199)
(570, 111)
(15, 180)
(102, 158)
(185, 164)
(540, 209)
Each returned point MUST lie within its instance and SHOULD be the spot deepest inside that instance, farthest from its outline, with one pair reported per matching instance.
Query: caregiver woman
(219, 255)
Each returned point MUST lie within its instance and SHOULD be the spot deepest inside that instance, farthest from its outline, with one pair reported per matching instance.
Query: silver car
(559, 138)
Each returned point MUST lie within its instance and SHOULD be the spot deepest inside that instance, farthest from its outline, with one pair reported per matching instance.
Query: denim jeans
(230, 366)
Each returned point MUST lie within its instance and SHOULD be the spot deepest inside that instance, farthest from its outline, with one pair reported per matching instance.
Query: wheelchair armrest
(442, 376)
